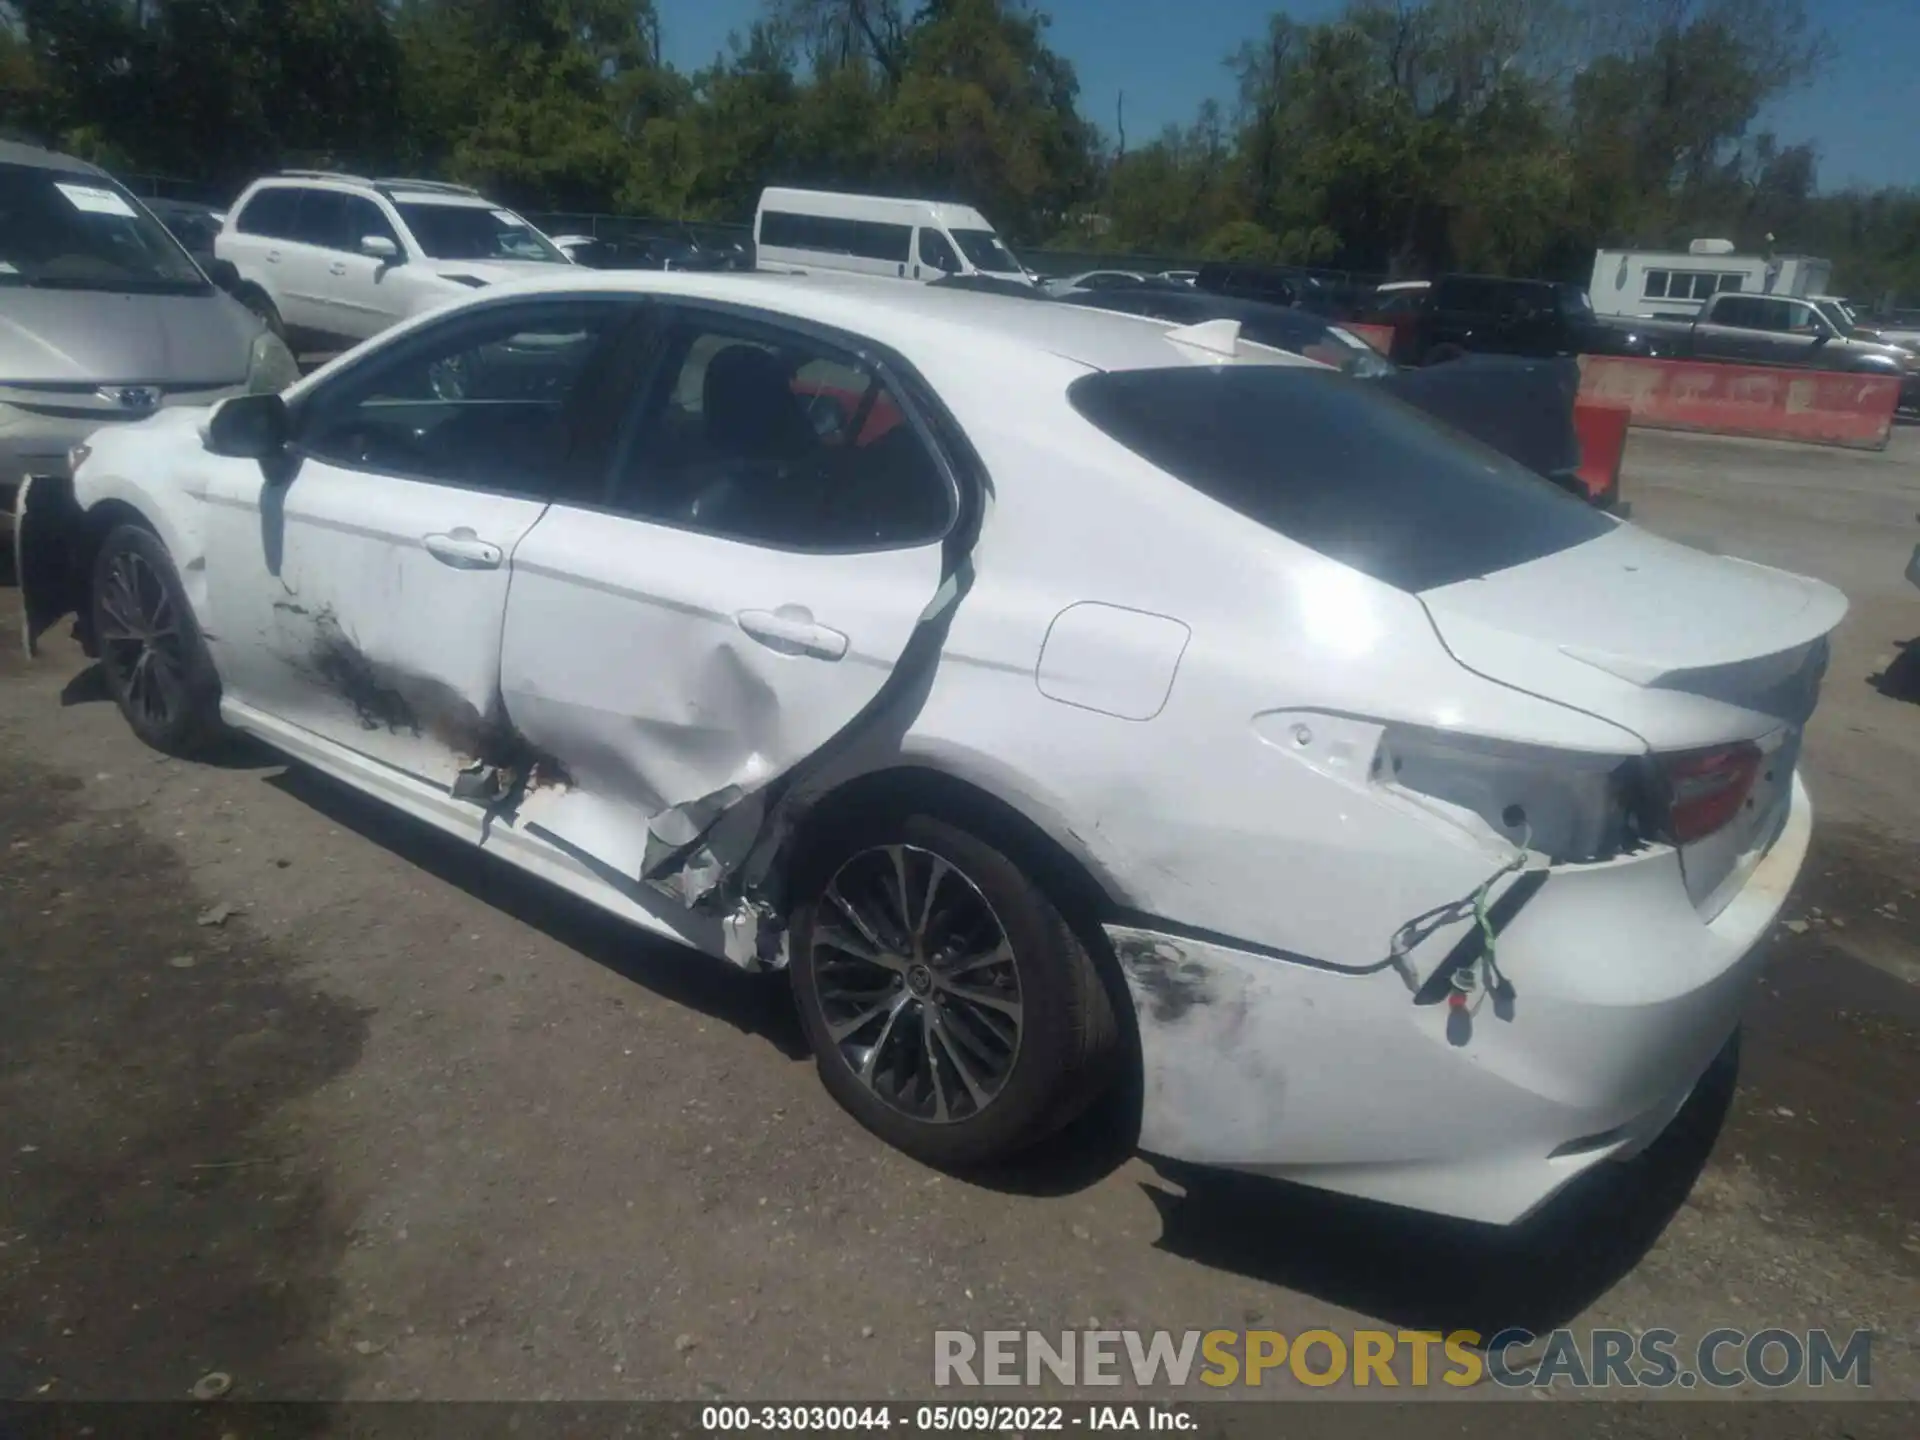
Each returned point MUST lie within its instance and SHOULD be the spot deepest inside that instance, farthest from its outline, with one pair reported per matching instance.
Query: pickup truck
(1740, 329)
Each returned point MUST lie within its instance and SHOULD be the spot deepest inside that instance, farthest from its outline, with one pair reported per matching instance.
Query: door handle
(463, 550)
(791, 630)
(273, 257)
(337, 268)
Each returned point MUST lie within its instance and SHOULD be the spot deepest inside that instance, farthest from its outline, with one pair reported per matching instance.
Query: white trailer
(1672, 284)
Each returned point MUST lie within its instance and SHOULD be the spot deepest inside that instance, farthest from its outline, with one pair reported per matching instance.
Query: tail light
(1706, 788)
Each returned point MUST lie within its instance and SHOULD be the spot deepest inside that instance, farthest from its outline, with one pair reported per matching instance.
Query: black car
(193, 225)
(648, 252)
(1522, 407)
(1494, 315)
(1273, 284)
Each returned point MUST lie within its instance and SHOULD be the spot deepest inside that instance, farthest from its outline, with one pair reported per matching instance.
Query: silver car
(104, 318)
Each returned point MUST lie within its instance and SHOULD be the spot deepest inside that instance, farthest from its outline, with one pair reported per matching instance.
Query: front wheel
(950, 1007)
(151, 651)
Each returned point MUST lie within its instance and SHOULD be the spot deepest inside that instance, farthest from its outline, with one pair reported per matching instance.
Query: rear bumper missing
(1622, 997)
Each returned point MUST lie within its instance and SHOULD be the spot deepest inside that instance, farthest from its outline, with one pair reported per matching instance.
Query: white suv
(329, 260)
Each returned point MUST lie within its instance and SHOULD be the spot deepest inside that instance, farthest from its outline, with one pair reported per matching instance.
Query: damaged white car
(1050, 691)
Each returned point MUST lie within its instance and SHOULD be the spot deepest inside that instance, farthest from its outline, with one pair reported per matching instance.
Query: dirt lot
(405, 1125)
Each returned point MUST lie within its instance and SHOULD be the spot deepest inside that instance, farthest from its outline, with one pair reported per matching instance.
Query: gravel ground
(297, 1091)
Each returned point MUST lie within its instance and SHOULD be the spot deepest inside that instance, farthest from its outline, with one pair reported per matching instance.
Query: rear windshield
(1341, 468)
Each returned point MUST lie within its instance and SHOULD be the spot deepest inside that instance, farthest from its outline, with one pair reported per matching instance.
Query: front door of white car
(768, 540)
(357, 591)
(364, 294)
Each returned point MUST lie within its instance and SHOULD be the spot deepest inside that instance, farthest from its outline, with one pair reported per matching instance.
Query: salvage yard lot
(292, 1089)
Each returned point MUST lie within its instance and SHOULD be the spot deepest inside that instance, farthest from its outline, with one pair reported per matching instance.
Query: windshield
(985, 250)
(1837, 315)
(471, 232)
(1575, 304)
(1340, 467)
(62, 230)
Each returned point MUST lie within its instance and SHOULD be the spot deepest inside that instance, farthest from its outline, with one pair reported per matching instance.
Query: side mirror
(248, 427)
(380, 247)
(223, 273)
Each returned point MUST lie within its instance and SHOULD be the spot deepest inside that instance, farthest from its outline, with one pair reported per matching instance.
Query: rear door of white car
(357, 592)
(771, 535)
(300, 263)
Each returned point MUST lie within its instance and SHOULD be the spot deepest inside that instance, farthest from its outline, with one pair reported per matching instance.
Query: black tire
(258, 301)
(151, 651)
(1441, 354)
(1067, 1036)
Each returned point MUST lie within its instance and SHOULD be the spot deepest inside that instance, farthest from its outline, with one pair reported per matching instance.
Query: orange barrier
(1821, 407)
(1380, 337)
(1603, 444)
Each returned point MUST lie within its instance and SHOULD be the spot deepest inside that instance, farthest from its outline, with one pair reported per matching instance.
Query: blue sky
(1863, 114)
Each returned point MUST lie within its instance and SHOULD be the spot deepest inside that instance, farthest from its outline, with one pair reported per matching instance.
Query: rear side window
(868, 239)
(1342, 469)
(270, 213)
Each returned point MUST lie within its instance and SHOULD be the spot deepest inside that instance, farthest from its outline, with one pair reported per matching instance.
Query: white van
(800, 230)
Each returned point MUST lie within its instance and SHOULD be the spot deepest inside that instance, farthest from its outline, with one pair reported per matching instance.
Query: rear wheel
(156, 664)
(950, 1007)
(1441, 354)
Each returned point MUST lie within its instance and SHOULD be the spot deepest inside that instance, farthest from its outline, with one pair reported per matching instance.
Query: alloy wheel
(140, 639)
(918, 983)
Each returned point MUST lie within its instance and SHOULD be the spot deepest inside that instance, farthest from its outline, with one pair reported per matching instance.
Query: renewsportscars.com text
(1655, 1359)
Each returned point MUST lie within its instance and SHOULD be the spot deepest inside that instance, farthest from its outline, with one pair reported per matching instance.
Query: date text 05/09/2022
(962, 1419)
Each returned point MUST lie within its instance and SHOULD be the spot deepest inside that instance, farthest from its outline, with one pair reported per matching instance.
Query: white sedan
(1053, 693)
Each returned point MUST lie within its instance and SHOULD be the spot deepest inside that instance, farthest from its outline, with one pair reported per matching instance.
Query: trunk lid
(1686, 650)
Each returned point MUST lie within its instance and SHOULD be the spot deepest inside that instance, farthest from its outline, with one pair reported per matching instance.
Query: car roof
(919, 320)
(12, 152)
(399, 193)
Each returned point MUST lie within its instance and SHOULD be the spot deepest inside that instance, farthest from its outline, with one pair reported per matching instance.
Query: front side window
(757, 434)
(474, 232)
(321, 219)
(987, 252)
(62, 230)
(1803, 319)
(363, 220)
(935, 251)
(1339, 467)
(491, 399)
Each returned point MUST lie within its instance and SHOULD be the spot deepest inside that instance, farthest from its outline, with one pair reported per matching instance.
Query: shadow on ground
(754, 1004)
(165, 1215)
(1428, 1272)
(1901, 679)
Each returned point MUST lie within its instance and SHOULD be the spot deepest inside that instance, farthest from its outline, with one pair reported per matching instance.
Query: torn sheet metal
(48, 532)
(693, 850)
(698, 719)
